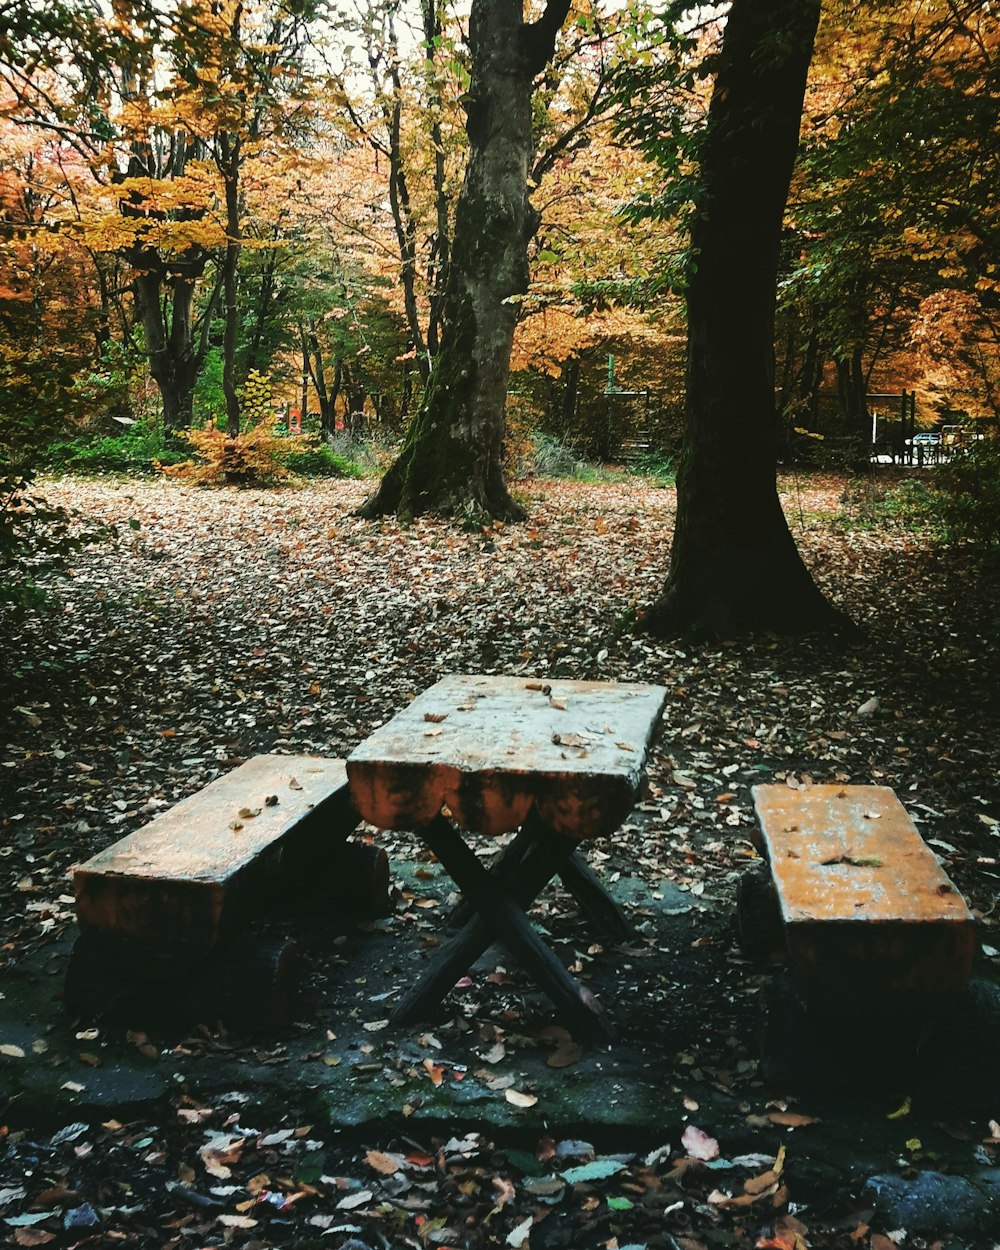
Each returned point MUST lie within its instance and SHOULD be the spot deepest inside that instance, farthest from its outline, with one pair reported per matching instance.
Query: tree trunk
(312, 358)
(229, 166)
(437, 265)
(734, 566)
(174, 358)
(570, 378)
(852, 391)
(451, 461)
(256, 356)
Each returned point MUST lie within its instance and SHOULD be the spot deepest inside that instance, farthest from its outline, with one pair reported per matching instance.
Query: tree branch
(538, 39)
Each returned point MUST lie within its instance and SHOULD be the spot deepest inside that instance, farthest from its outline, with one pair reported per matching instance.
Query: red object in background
(294, 421)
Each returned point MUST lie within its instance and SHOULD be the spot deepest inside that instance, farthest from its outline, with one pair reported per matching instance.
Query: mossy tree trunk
(451, 462)
(734, 566)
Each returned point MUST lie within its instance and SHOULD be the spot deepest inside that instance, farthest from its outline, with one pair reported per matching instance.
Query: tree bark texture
(175, 355)
(451, 461)
(734, 566)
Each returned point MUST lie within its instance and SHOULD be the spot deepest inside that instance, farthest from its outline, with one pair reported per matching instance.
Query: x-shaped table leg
(499, 905)
(578, 878)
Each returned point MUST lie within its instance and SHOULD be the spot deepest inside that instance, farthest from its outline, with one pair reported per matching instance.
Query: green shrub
(657, 465)
(549, 457)
(140, 449)
(969, 495)
(910, 504)
(323, 461)
(36, 543)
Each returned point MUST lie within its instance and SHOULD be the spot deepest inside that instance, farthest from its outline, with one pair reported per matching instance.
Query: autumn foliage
(255, 457)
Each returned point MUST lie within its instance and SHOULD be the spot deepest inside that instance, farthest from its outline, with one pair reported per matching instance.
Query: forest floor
(222, 624)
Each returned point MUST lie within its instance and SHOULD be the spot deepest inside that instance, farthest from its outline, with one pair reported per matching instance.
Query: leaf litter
(235, 623)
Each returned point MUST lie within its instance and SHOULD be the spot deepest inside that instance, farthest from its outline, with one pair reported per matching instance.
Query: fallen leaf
(565, 1055)
(595, 1170)
(359, 1199)
(698, 1144)
(33, 1237)
(766, 1181)
(434, 1070)
(519, 1234)
(519, 1099)
(12, 1052)
(384, 1162)
(791, 1119)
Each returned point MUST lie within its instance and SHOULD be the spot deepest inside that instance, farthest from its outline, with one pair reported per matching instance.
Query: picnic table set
(552, 766)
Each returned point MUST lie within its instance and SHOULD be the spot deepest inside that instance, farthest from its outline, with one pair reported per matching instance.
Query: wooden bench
(866, 915)
(156, 905)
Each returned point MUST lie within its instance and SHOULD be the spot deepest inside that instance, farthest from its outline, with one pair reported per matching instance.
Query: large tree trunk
(734, 566)
(451, 461)
(175, 359)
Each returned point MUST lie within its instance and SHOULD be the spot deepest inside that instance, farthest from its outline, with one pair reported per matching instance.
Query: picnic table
(559, 761)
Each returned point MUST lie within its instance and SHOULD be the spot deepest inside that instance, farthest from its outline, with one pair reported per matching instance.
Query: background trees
(199, 194)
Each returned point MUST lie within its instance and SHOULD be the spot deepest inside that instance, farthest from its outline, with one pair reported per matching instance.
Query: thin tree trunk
(852, 390)
(312, 356)
(734, 565)
(451, 462)
(335, 389)
(230, 164)
(570, 394)
(441, 243)
(263, 307)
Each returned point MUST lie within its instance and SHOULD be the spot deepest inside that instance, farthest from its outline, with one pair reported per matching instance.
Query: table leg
(539, 861)
(501, 918)
(578, 878)
(595, 902)
(505, 869)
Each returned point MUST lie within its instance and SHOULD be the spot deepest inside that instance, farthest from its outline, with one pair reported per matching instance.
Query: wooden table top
(488, 748)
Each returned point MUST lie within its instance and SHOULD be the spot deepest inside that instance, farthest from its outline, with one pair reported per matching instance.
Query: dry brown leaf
(518, 1099)
(33, 1236)
(565, 1055)
(758, 1185)
(384, 1162)
(791, 1119)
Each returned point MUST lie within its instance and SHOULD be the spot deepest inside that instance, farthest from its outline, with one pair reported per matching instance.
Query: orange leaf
(434, 1070)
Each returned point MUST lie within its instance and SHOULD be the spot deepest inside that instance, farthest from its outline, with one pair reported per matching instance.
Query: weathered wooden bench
(166, 903)
(859, 903)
